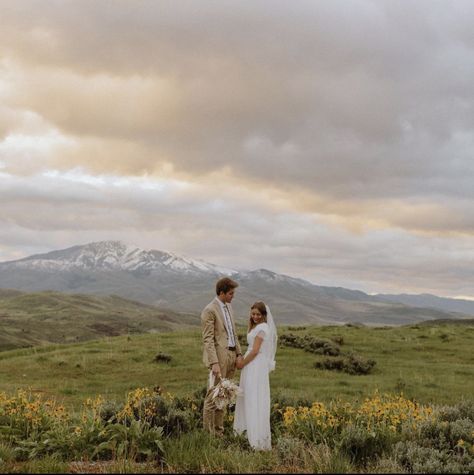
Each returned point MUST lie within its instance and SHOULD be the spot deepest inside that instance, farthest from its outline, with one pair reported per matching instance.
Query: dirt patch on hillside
(104, 329)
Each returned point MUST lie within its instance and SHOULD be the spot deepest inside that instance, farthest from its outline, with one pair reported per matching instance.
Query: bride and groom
(223, 355)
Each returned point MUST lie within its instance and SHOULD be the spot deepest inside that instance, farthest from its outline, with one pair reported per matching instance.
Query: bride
(252, 410)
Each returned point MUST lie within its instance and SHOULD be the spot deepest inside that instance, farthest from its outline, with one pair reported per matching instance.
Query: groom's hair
(225, 285)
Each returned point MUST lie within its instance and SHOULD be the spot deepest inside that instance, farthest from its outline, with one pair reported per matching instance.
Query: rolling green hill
(29, 319)
(431, 363)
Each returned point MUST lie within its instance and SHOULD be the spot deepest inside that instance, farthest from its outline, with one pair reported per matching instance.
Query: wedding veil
(272, 340)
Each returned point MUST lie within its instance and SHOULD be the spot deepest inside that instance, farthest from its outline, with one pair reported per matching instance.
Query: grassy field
(346, 433)
(35, 318)
(432, 363)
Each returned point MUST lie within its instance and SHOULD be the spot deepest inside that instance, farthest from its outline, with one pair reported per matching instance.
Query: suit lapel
(218, 310)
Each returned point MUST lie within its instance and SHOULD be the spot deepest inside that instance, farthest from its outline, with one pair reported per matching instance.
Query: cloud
(354, 115)
(57, 210)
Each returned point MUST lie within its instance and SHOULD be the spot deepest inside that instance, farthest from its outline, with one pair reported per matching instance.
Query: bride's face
(255, 315)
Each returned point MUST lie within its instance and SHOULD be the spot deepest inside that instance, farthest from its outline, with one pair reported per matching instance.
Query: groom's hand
(239, 362)
(216, 369)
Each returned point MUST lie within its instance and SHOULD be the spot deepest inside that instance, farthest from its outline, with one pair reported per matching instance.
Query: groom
(221, 347)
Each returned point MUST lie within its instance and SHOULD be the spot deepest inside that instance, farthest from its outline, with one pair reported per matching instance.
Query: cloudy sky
(329, 140)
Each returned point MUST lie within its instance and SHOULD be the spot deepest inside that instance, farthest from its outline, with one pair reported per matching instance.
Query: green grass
(417, 360)
(198, 452)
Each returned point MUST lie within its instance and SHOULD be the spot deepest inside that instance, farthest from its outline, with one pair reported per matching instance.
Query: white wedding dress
(252, 409)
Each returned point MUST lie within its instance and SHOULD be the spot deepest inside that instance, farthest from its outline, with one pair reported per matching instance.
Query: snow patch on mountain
(114, 255)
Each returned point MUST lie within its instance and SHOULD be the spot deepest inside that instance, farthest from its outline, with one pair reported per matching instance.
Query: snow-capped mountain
(113, 255)
(183, 284)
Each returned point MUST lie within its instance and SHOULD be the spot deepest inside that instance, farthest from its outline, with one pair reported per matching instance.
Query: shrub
(370, 426)
(310, 344)
(418, 459)
(279, 403)
(360, 365)
(109, 409)
(24, 414)
(443, 443)
(354, 325)
(162, 357)
(291, 450)
(453, 435)
(463, 410)
(37, 428)
(326, 459)
(339, 340)
(137, 441)
(352, 364)
(384, 464)
(331, 364)
(174, 415)
(64, 436)
(361, 443)
(7, 453)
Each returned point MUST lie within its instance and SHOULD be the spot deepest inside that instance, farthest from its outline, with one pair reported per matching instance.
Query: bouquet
(225, 393)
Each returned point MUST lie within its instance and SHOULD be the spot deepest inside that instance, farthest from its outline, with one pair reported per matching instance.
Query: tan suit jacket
(214, 334)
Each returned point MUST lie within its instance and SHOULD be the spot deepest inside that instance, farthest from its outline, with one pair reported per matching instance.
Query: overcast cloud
(330, 140)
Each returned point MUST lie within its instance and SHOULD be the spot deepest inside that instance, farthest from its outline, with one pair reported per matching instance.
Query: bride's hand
(239, 364)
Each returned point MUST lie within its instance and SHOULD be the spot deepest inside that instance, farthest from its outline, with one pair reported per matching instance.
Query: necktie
(229, 325)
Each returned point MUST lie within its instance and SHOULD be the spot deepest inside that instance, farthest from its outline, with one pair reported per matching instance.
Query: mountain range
(175, 283)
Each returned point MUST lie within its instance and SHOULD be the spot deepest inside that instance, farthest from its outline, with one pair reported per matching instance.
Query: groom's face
(228, 296)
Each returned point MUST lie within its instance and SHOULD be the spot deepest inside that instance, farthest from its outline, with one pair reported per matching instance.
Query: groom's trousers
(213, 418)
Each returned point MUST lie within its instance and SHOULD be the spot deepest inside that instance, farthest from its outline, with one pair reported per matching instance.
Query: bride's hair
(260, 306)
